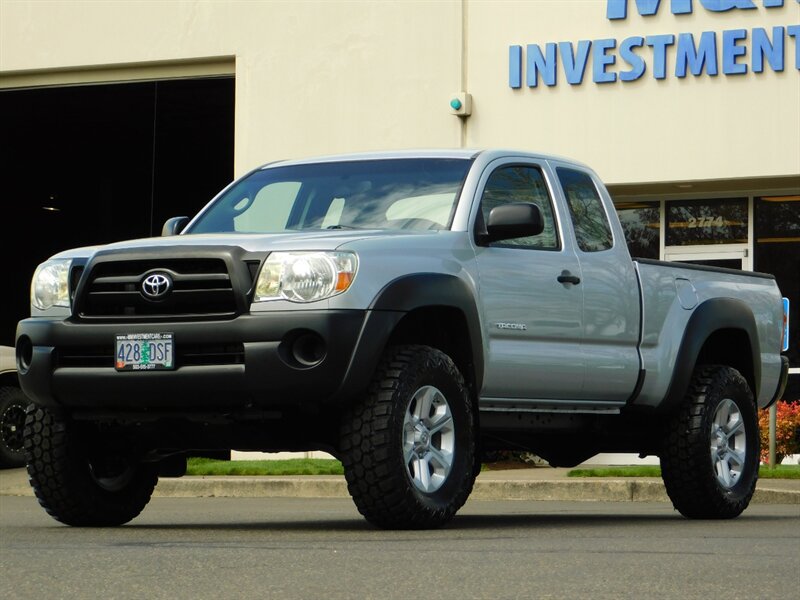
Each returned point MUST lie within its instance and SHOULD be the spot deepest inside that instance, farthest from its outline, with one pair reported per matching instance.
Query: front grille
(74, 277)
(201, 288)
(186, 355)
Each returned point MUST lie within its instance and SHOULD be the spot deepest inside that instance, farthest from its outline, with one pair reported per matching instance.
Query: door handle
(567, 277)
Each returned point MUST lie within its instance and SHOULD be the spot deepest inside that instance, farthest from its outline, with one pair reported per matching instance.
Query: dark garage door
(92, 164)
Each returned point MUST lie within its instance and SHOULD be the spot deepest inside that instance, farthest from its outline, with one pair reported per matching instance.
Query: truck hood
(251, 242)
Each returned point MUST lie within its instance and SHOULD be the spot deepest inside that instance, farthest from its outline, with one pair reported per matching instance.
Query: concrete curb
(605, 490)
(252, 487)
(601, 490)
(583, 489)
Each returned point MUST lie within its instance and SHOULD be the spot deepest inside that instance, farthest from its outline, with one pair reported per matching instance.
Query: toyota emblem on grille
(156, 286)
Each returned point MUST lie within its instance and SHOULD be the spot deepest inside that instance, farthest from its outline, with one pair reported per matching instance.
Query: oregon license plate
(144, 352)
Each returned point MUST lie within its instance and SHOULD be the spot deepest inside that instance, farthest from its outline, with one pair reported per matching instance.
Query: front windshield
(410, 193)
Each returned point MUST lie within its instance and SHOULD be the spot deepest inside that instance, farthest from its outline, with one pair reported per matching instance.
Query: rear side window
(508, 185)
(589, 219)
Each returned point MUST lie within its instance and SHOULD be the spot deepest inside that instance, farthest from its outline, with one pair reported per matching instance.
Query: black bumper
(782, 381)
(243, 363)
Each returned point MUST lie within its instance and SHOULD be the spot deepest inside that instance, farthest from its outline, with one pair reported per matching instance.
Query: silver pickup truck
(406, 312)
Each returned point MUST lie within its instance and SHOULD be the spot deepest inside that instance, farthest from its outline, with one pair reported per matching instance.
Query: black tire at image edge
(13, 403)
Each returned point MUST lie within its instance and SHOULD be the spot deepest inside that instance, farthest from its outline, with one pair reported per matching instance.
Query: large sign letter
(725, 5)
(618, 9)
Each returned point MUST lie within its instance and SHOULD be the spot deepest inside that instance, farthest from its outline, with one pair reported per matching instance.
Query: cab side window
(508, 185)
(589, 219)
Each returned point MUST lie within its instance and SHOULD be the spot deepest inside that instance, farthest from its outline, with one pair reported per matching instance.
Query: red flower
(786, 431)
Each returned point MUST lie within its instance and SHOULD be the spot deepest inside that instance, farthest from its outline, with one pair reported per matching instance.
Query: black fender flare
(420, 290)
(396, 299)
(709, 317)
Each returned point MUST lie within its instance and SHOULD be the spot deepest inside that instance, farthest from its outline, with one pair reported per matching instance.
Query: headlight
(305, 276)
(50, 284)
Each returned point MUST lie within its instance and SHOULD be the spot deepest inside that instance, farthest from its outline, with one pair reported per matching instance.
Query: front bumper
(243, 363)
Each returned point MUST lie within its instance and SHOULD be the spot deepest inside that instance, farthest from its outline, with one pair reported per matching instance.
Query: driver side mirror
(174, 225)
(508, 221)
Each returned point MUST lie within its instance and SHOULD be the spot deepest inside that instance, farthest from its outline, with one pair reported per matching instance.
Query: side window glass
(589, 219)
(508, 185)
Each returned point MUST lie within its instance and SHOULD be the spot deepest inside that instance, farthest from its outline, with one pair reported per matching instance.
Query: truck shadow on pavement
(517, 522)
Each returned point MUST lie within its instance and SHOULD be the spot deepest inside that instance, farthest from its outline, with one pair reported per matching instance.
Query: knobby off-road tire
(408, 448)
(13, 403)
(101, 491)
(710, 458)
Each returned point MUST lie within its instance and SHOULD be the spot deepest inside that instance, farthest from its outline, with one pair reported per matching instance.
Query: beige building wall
(647, 130)
(312, 77)
(318, 77)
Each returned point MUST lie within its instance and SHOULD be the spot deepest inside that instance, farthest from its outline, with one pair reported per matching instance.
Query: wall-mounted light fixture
(461, 104)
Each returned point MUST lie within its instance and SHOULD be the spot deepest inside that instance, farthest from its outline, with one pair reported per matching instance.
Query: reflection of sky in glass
(434, 207)
(375, 207)
(419, 194)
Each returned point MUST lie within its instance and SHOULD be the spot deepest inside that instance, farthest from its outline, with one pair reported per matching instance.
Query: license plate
(144, 352)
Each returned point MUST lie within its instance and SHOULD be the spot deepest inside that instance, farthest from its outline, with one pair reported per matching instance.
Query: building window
(778, 220)
(701, 222)
(641, 223)
(777, 251)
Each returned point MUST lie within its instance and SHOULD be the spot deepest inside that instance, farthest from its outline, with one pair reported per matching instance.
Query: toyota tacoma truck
(406, 312)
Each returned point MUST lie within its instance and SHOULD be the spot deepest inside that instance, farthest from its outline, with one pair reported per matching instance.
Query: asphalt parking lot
(322, 548)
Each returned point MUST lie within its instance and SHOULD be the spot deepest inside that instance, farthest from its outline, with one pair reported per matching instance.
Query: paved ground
(538, 484)
(303, 548)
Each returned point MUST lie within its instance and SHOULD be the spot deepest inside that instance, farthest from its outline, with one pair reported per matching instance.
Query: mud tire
(700, 473)
(375, 447)
(68, 481)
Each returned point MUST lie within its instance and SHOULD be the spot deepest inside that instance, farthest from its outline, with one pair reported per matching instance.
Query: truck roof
(454, 153)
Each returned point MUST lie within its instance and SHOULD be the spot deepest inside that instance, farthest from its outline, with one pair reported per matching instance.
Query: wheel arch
(440, 311)
(720, 331)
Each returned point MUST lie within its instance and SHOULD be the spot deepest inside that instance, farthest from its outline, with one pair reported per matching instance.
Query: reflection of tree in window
(592, 230)
(510, 185)
(778, 219)
(640, 222)
(698, 222)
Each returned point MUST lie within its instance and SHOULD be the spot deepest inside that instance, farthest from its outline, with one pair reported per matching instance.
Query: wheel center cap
(722, 442)
(422, 442)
